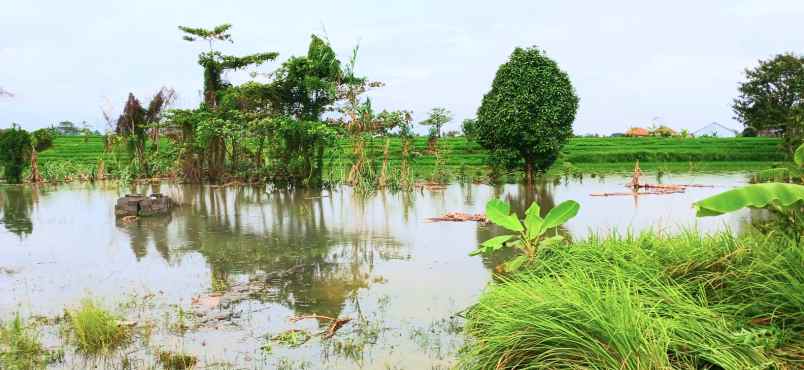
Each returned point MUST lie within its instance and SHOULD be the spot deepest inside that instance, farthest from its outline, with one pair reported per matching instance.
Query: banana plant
(531, 232)
(785, 200)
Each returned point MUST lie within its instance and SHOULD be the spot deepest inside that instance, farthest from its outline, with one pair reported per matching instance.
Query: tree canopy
(772, 98)
(16, 146)
(528, 111)
(438, 118)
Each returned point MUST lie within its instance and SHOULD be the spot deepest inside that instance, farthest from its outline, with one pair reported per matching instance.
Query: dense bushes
(15, 153)
(43, 139)
(647, 302)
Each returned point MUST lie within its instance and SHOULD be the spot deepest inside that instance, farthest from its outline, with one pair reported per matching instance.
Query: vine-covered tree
(215, 63)
(215, 130)
(772, 98)
(15, 153)
(529, 110)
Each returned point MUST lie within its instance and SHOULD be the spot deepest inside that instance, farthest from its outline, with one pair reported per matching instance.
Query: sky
(632, 63)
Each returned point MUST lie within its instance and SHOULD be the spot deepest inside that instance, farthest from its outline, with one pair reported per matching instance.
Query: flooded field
(224, 274)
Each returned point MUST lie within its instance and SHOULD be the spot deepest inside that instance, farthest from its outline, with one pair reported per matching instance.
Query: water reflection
(247, 231)
(16, 205)
(357, 255)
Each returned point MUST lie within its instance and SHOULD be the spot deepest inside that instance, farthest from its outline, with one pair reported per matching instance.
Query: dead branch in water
(313, 316)
(459, 217)
(334, 323)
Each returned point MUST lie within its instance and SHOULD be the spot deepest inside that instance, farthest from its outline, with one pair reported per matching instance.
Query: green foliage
(305, 87)
(218, 33)
(772, 98)
(176, 361)
(771, 195)
(15, 153)
(96, 331)
(645, 302)
(43, 138)
(785, 200)
(532, 234)
(437, 118)
(20, 348)
(529, 110)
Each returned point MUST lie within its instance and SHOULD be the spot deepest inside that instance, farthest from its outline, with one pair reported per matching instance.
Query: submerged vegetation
(20, 348)
(96, 331)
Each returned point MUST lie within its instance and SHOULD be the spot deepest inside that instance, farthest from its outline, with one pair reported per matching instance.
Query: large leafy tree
(529, 110)
(772, 98)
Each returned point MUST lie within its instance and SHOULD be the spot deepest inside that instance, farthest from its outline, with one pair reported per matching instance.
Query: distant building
(715, 129)
(637, 132)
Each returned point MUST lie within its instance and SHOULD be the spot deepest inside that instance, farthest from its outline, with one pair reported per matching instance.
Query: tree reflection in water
(16, 205)
(243, 232)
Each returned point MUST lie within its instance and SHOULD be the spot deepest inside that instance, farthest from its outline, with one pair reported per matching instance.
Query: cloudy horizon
(631, 63)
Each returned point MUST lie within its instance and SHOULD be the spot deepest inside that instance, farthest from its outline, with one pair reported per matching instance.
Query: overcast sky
(676, 62)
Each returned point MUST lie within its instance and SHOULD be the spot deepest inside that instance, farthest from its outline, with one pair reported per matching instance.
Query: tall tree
(438, 118)
(529, 110)
(215, 63)
(772, 98)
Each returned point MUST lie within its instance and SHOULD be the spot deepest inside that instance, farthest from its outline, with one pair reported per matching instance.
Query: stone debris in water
(459, 217)
(214, 307)
(141, 205)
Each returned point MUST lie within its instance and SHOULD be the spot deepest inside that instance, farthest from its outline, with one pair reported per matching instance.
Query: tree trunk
(529, 169)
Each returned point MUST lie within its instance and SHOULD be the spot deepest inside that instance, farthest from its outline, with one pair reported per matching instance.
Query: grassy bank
(647, 302)
(461, 158)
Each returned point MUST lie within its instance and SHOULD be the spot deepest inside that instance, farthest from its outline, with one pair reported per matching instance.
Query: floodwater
(377, 260)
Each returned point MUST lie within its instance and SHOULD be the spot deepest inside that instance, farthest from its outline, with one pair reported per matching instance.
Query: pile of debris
(459, 217)
(638, 188)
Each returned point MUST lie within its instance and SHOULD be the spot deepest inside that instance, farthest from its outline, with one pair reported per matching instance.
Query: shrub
(15, 153)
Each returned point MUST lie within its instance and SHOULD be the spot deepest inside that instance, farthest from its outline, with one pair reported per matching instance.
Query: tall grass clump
(646, 302)
(96, 331)
(20, 348)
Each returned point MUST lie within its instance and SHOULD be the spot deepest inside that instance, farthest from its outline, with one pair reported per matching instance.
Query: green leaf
(798, 157)
(477, 251)
(491, 245)
(560, 214)
(533, 221)
(498, 212)
(496, 242)
(515, 263)
(753, 196)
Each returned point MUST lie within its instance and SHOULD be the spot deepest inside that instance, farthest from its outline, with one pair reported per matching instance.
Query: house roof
(637, 131)
(715, 125)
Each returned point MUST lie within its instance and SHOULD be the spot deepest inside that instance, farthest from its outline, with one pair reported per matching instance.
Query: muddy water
(232, 265)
